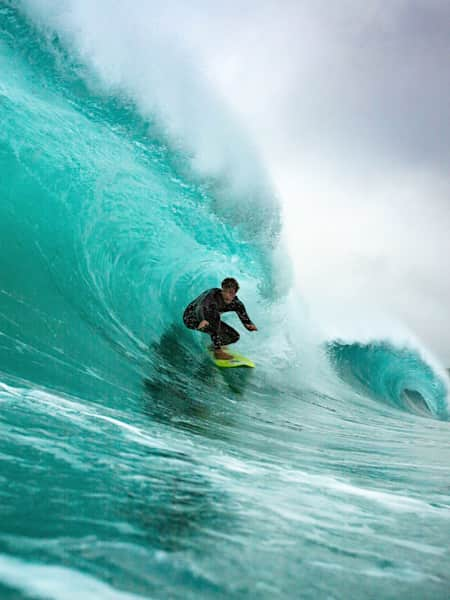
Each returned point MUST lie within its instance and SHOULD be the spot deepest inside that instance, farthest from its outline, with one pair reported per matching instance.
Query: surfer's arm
(243, 316)
(210, 313)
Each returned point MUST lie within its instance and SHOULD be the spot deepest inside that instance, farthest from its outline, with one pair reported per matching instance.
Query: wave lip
(397, 375)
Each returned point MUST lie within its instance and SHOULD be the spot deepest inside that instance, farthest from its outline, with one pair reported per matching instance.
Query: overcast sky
(348, 104)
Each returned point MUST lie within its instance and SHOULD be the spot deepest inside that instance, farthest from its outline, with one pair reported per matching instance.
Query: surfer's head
(229, 289)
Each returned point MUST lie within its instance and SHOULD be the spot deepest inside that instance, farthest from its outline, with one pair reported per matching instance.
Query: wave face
(130, 466)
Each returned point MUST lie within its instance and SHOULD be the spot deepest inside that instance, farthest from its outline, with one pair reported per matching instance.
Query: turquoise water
(130, 466)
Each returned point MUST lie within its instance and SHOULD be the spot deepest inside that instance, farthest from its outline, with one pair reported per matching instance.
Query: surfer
(203, 314)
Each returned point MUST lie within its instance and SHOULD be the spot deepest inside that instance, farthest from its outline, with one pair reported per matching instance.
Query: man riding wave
(203, 314)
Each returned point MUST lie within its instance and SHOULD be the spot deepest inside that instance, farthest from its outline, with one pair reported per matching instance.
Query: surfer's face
(228, 295)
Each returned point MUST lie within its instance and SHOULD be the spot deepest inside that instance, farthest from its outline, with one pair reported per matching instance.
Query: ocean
(132, 467)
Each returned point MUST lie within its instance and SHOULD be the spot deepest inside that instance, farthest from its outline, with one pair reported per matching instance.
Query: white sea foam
(56, 583)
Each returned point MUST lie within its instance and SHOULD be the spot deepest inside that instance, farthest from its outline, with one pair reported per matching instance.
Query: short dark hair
(230, 283)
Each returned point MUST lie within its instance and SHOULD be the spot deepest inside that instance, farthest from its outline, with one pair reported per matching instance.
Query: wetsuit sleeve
(242, 313)
(202, 305)
(210, 312)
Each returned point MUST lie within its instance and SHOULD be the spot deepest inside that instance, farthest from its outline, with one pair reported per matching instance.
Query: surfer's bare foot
(221, 354)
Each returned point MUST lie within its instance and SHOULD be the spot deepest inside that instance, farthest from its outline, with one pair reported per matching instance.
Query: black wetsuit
(209, 306)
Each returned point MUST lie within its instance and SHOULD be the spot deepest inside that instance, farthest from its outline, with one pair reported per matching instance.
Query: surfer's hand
(203, 324)
(251, 327)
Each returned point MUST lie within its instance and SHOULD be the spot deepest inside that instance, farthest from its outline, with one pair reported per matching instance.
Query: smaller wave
(396, 375)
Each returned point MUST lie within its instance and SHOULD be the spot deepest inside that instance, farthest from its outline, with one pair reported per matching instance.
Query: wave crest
(393, 374)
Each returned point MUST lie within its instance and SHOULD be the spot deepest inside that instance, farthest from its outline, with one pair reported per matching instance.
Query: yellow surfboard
(237, 361)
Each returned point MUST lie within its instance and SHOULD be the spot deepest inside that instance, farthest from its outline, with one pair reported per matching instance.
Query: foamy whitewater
(131, 467)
